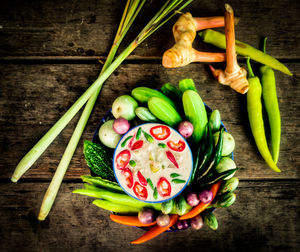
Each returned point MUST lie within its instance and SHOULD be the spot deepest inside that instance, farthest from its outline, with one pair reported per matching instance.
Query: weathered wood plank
(86, 28)
(265, 217)
(34, 97)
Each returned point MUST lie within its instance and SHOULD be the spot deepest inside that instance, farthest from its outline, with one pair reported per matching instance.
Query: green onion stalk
(163, 15)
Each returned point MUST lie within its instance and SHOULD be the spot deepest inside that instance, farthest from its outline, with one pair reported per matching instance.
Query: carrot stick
(129, 220)
(155, 231)
(201, 206)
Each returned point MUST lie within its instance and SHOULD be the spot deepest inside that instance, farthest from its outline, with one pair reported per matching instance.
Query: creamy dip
(152, 162)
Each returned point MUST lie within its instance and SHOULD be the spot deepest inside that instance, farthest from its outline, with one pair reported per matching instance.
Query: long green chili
(271, 105)
(218, 39)
(254, 108)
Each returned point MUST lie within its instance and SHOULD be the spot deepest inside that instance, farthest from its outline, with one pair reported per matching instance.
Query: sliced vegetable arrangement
(155, 189)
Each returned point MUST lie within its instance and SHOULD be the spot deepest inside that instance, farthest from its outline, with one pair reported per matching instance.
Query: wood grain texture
(86, 28)
(44, 92)
(75, 224)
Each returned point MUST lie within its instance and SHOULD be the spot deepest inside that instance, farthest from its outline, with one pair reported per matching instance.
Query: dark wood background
(49, 53)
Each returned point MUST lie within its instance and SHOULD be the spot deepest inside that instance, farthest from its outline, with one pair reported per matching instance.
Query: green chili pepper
(271, 105)
(123, 144)
(138, 133)
(162, 145)
(174, 175)
(254, 108)
(218, 39)
(148, 137)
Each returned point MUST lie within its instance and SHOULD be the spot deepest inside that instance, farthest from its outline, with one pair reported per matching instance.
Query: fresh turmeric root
(184, 31)
(234, 75)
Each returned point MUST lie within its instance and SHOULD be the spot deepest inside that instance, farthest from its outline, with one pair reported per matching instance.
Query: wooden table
(49, 52)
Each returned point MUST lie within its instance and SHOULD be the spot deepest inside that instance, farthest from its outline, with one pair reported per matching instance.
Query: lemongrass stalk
(49, 198)
(48, 138)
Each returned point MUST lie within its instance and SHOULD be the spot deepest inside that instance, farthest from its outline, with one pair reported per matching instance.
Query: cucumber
(224, 200)
(195, 112)
(187, 84)
(171, 91)
(145, 115)
(164, 111)
(182, 207)
(215, 120)
(99, 160)
(229, 185)
(167, 206)
(143, 94)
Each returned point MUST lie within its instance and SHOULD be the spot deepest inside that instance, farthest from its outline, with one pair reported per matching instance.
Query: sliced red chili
(137, 145)
(164, 187)
(160, 132)
(179, 146)
(123, 159)
(142, 178)
(171, 157)
(140, 191)
(131, 141)
(128, 177)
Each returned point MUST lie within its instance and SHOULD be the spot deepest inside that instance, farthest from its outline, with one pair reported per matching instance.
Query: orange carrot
(129, 220)
(155, 231)
(201, 206)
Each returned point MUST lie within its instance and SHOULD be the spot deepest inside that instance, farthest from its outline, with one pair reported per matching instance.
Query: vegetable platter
(137, 153)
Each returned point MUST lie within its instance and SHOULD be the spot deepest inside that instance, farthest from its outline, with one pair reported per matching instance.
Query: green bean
(254, 108)
(271, 105)
(218, 39)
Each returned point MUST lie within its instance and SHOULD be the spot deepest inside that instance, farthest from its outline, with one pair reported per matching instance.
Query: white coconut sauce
(152, 162)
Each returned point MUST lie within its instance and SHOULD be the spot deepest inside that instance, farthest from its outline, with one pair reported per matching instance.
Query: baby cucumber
(143, 94)
(195, 112)
(145, 115)
(164, 111)
(171, 91)
(187, 84)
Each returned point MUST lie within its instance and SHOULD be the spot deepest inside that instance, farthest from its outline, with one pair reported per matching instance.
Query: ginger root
(234, 75)
(183, 53)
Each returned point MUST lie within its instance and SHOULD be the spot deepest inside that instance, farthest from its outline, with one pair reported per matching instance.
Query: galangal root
(184, 31)
(234, 75)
